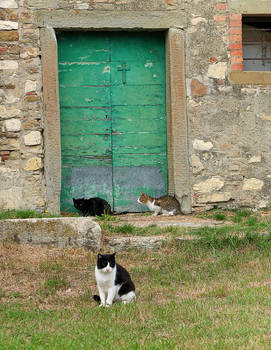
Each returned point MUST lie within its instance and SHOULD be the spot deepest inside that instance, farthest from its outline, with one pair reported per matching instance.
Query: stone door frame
(172, 23)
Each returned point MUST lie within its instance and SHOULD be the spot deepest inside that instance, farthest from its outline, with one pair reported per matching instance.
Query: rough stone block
(55, 232)
(11, 35)
(8, 25)
(30, 86)
(33, 138)
(8, 4)
(255, 159)
(33, 164)
(8, 113)
(252, 184)
(126, 243)
(30, 52)
(217, 70)
(212, 184)
(201, 145)
(215, 197)
(32, 98)
(197, 88)
(8, 64)
(12, 125)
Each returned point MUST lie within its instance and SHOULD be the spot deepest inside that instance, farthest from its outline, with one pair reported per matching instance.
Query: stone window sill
(250, 78)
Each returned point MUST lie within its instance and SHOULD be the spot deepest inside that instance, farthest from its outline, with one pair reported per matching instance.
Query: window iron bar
(256, 42)
(254, 29)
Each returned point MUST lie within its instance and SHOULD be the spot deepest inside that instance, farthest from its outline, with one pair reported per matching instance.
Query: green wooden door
(113, 117)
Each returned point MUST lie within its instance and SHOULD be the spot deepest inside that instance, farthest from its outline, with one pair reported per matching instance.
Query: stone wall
(229, 124)
(21, 148)
(229, 127)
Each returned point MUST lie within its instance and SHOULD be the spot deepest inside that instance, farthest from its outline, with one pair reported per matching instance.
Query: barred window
(256, 37)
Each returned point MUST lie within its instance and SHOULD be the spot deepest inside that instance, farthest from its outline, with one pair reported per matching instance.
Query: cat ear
(114, 254)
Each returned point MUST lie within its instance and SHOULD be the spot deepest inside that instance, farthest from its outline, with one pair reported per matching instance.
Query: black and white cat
(113, 281)
(92, 206)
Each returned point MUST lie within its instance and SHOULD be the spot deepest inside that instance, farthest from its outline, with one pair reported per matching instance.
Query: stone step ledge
(55, 232)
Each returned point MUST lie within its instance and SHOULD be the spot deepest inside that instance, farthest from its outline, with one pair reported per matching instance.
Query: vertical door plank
(85, 116)
(139, 142)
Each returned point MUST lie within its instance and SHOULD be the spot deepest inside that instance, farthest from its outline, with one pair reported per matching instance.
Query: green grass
(233, 222)
(107, 218)
(23, 214)
(53, 284)
(202, 296)
(19, 214)
(219, 216)
(211, 293)
(235, 215)
(27, 214)
(131, 230)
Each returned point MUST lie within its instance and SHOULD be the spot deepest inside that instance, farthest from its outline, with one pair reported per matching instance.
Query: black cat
(92, 206)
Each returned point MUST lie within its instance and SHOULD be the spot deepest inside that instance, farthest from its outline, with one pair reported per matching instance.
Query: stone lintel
(102, 20)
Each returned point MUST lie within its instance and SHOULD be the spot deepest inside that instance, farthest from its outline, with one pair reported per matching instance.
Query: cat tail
(96, 298)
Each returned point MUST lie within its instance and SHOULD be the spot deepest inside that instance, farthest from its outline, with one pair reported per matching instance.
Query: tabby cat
(165, 205)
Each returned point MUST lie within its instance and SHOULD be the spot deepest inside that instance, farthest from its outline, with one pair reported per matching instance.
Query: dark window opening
(256, 37)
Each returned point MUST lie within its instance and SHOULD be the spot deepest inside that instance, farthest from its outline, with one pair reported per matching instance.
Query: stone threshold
(164, 221)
